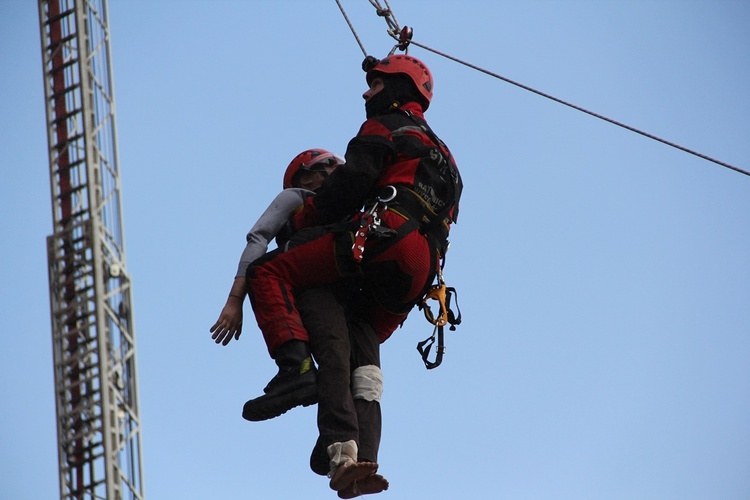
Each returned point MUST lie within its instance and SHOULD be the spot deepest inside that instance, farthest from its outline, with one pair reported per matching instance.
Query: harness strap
(413, 207)
(425, 346)
(442, 294)
(455, 176)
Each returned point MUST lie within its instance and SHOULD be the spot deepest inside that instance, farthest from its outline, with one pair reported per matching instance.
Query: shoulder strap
(455, 176)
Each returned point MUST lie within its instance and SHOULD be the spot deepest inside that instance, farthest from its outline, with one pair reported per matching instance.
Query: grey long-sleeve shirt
(269, 224)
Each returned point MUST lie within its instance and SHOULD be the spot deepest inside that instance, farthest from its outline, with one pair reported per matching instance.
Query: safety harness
(370, 225)
(419, 216)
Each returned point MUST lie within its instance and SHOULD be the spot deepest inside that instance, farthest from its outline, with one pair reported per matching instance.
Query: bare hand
(229, 323)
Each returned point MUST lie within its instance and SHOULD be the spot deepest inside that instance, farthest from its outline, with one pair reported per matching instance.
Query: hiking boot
(296, 384)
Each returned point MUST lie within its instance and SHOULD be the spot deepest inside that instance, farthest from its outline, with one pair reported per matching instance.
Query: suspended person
(304, 175)
(409, 184)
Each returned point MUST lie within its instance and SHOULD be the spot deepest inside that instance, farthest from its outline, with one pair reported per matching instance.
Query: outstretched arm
(266, 228)
(229, 323)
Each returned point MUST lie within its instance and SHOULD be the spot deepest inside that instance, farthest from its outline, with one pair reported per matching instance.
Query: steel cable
(394, 31)
(583, 110)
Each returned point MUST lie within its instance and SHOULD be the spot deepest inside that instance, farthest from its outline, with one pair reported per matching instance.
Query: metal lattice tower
(96, 396)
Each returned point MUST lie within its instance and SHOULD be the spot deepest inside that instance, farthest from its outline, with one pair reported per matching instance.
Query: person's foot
(291, 387)
(350, 472)
(369, 485)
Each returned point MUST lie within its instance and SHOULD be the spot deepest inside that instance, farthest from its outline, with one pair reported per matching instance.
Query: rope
(395, 32)
(583, 110)
(387, 13)
(351, 27)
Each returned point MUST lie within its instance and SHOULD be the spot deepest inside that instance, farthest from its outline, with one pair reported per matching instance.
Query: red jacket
(397, 148)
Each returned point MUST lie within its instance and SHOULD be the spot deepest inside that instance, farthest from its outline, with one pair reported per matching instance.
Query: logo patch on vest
(428, 194)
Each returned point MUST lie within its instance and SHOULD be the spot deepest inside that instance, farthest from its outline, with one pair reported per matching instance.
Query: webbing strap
(455, 177)
(443, 295)
(425, 346)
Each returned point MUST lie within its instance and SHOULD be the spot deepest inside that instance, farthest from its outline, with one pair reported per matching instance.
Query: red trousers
(393, 275)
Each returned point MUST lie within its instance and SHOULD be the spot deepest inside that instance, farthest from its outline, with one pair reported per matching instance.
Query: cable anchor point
(403, 38)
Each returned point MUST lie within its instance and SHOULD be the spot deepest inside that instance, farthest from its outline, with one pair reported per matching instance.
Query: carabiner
(385, 199)
(437, 292)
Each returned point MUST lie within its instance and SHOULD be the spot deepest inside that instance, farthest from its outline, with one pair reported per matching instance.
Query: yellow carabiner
(437, 292)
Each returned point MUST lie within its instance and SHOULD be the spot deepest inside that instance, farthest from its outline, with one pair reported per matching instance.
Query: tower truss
(93, 343)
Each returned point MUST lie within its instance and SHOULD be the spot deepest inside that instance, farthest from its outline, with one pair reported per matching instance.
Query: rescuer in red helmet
(406, 179)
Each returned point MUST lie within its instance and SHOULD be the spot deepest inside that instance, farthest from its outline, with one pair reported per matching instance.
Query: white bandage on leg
(367, 383)
(341, 453)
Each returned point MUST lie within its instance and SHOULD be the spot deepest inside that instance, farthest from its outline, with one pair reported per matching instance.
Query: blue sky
(604, 278)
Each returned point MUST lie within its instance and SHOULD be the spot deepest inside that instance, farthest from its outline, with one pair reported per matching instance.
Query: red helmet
(409, 66)
(311, 160)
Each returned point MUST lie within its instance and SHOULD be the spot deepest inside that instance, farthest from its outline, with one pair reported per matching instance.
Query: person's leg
(325, 319)
(337, 452)
(393, 281)
(366, 387)
(357, 476)
(271, 282)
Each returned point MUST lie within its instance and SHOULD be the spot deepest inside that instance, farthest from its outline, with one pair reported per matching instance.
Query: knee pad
(367, 383)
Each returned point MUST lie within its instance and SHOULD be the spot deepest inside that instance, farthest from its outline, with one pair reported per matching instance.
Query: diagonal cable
(394, 31)
(584, 110)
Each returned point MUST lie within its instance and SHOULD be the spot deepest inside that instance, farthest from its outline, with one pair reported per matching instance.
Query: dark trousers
(340, 342)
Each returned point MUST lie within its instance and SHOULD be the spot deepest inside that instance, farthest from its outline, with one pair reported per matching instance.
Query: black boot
(296, 384)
